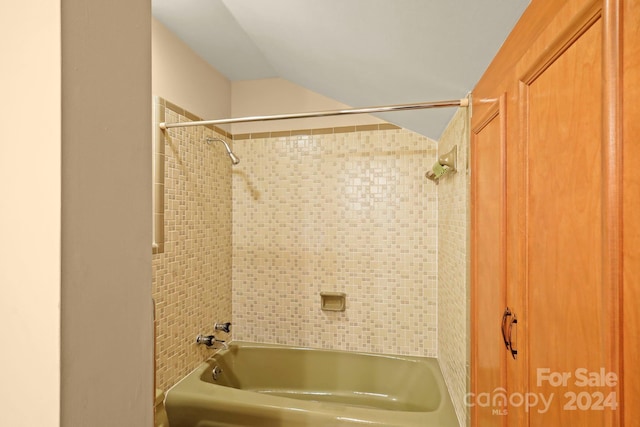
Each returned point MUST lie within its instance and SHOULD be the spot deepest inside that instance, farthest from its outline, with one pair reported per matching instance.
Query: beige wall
(348, 212)
(72, 323)
(192, 276)
(453, 285)
(107, 333)
(280, 96)
(30, 210)
(182, 77)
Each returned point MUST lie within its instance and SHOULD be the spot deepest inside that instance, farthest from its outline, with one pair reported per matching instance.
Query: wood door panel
(488, 255)
(631, 211)
(565, 315)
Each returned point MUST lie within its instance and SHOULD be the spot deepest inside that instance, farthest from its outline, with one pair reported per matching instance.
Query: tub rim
(193, 387)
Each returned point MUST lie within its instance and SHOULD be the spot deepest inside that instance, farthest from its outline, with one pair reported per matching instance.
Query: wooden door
(488, 245)
(562, 212)
(565, 315)
(570, 296)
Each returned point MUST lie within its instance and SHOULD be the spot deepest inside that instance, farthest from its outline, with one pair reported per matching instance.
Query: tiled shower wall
(192, 272)
(453, 290)
(329, 210)
(341, 210)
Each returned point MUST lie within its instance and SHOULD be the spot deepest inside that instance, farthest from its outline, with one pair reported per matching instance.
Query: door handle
(508, 320)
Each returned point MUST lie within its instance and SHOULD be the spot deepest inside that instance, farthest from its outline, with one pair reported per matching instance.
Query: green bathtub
(271, 385)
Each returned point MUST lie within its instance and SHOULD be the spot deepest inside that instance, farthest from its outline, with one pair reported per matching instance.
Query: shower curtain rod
(464, 102)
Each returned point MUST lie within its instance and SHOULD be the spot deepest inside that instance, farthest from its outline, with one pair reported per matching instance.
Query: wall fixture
(447, 163)
(333, 301)
(234, 159)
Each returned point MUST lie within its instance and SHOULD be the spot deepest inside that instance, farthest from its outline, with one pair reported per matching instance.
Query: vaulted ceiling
(358, 52)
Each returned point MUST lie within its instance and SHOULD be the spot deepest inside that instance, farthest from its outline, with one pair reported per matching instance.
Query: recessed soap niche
(333, 301)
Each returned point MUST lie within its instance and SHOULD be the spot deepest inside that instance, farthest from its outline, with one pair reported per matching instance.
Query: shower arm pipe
(464, 102)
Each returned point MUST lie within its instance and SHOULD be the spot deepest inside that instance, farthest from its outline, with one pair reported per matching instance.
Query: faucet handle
(223, 327)
(207, 340)
(210, 341)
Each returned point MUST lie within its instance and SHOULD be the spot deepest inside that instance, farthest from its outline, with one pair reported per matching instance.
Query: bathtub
(269, 385)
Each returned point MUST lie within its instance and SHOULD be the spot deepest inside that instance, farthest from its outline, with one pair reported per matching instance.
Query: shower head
(234, 159)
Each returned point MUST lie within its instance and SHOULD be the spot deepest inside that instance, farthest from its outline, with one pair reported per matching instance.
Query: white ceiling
(358, 52)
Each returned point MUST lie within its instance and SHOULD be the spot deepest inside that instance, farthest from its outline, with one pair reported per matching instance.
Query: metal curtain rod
(464, 102)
